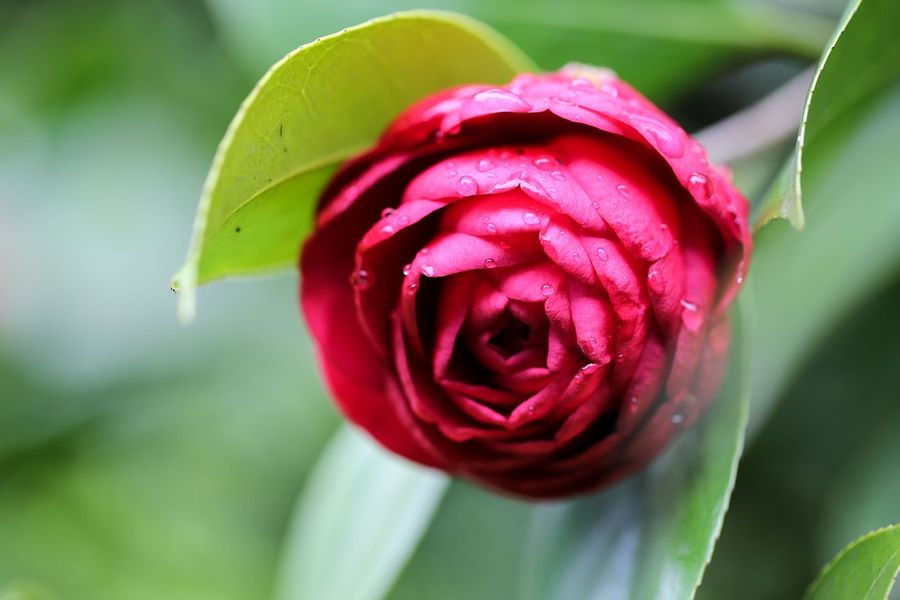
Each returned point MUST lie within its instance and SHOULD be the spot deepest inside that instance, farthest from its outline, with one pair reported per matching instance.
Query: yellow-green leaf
(319, 105)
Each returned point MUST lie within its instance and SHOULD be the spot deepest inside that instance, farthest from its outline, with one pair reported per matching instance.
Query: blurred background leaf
(695, 36)
(360, 518)
(849, 179)
(814, 477)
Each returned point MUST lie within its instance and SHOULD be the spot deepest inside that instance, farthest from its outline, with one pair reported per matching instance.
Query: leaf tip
(184, 284)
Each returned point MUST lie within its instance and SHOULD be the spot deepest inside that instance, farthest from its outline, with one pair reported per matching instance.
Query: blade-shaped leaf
(359, 519)
(652, 536)
(803, 282)
(864, 570)
(862, 58)
(319, 105)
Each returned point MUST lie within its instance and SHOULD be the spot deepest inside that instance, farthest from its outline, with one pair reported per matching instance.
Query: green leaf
(862, 58)
(694, 36)
(864, 570)
(319, 105)
(651, 536)
(804, 283)
(358, 521)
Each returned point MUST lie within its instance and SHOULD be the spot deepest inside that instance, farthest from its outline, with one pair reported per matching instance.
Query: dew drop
(546, 290)
(589, 369)
(406, 269)
(700, 185)
(485, 164)
(545, 163)
(403, 220)
(557, 175)
(632, 404)
(466, 186)
(531, 219)
(360, 279)
(677, 418)
(497, 100)
(491, 228)
(388, 229)
(688, 305)
(623, 190)
(490, 263)
(610, 90)
(428, 270)
(387, 212)
(412, 287)
(451, 173)
(595, 205)
(655, 281)
(581, 83)
(664, 139)
(692, 319)
(739, 279)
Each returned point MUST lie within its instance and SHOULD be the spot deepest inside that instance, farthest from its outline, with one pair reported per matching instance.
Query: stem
(772, 120)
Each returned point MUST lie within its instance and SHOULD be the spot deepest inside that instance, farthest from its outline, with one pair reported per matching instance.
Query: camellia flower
(527, 285)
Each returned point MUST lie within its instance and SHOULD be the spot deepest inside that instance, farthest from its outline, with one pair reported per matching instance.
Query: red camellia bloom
(527, 285)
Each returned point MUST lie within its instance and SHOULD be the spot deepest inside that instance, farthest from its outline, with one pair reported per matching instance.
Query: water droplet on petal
(590, 368)
(531, 219)
(546, 290)
(490, 263)
(595, 205)
(412, 287)
(545, 163)
(609, 89)
(677, 418)
(688, 305)
(406, 269)
(403, 220)
(602, 254)
(466, 186)
(557, 175)
(491, 228)
(581, 83)
(387, 212)
(655, 281)
(700, 185)
(388, 229)
(428, 270)
(663, 137)
(632, 404)
(692, 319)
(497, 100)
(485, 164)
(360, 279)
(739, 279)
(623, 190)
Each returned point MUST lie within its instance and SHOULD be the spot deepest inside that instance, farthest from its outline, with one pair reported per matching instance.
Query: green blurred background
(141, 459)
